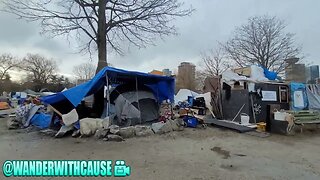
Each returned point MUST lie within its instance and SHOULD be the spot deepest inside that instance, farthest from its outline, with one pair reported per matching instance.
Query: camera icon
(121, 169)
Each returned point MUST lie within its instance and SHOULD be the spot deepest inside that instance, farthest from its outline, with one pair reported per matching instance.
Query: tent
(183, 94)
(162, 87)
(137, 106)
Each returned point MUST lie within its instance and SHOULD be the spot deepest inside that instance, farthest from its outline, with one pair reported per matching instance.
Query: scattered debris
(220, 151)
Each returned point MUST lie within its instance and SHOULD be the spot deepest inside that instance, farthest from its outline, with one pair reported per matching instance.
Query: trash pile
(114, 105)
(193, 108)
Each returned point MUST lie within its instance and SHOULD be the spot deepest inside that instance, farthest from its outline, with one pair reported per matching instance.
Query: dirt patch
(220, 151)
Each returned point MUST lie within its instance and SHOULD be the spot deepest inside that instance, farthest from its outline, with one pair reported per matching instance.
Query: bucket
(244, 119)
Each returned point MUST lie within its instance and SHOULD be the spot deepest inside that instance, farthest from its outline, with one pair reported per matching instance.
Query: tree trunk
(101, 36)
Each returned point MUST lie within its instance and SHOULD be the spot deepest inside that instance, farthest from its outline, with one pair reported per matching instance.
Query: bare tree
(39, 68)
(7, 62)
(214, 63)
(262, 41)
(103, 22)
(84, 71)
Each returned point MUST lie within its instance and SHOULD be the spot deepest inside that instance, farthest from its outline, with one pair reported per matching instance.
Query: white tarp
(183, 94)
(257, 75)
(70, 117)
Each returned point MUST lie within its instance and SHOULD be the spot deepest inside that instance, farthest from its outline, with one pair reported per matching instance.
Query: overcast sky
(213, 20)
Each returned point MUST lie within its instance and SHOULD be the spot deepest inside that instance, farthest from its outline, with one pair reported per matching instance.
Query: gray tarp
(313, 93)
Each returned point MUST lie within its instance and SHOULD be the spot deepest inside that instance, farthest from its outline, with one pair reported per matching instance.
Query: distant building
(186, 76)
(156, 72)
(167, 72)
(314, 73)
(295, 72)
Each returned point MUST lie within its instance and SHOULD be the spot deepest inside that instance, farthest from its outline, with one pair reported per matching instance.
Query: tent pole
(108, 97)
(138, 98)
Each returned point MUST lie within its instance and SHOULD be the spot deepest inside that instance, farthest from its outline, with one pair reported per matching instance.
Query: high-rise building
(295, 72)
(167, 72)
(314, 73)
(186, 76)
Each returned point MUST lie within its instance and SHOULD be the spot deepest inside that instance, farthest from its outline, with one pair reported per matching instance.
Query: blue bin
(190, 101)
(191, 121)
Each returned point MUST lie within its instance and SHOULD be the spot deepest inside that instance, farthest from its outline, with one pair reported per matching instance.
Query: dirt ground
(198, 154)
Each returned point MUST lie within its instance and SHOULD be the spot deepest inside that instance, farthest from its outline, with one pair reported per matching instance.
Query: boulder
(179, 122)
(113, 137)
(143, 131)
(101, 133)
(174, 125)
(167, 127)
(114, 129)
(127, 132)
(156, 127)
(89, 126)
(161, 128)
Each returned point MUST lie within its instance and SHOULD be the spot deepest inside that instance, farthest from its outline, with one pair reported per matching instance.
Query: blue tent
(162, 86)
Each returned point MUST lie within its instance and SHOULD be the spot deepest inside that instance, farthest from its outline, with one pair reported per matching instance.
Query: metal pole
(138, 98)
(108, 96)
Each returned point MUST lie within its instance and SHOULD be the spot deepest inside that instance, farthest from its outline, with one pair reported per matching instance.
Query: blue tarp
(41, 120)
(162, 86)
(271, 75)
(298, 96)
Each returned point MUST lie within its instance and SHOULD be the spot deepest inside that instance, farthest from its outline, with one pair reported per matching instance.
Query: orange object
(156, 72)
(261, 126)
(4, 105)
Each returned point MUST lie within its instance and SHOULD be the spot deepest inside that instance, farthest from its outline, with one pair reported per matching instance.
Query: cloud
(212, 22)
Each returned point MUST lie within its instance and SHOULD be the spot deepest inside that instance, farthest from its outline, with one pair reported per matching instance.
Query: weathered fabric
(22, 112)
(313, 93)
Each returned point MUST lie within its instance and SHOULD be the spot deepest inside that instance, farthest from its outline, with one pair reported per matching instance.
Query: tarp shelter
(161, 86)
(313, 93)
